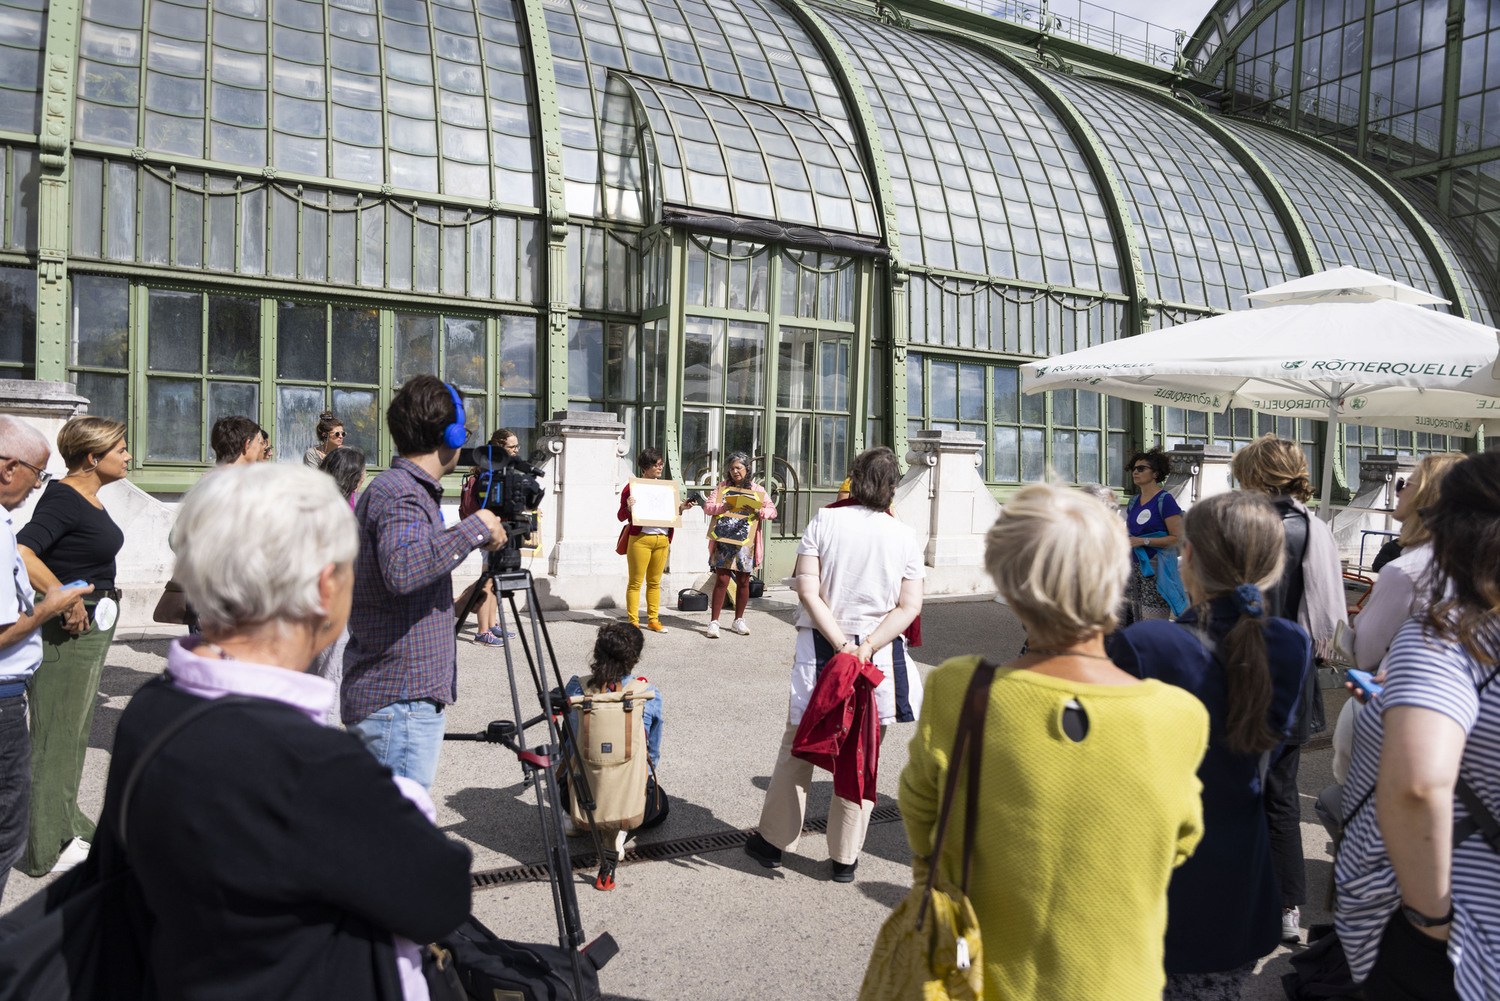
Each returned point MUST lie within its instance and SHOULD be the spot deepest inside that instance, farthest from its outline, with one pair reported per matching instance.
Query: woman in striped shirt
(1419, 885)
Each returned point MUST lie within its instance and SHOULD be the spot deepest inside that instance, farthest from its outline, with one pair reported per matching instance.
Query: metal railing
(1095, 26)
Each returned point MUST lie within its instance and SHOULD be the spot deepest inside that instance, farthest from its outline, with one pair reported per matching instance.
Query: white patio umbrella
(1342, 285)
(1378, 362)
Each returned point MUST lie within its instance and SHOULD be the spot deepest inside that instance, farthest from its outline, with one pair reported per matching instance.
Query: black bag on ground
(1320, 972)
(490, 967)
(690, 599)
(757, 587)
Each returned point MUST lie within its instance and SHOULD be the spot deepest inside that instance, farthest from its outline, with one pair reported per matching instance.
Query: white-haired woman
(274, 856)
(1088, 792)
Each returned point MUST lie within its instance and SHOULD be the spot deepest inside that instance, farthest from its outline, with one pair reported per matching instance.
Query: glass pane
(747, 359)
(517, 367)
(416, 345)
(741, 433)
(1063, 411)
(475, 422)
(1007, 395)
(1088, 409)
(794, 443)
(1007, 455)
(297, 410)
(228, 399)
(356, 345)
(1034, 408)
(833, 374)
(101, 320)
(620, 362)
(1088, 457)
(833, 450)
(464, 351)
(1116, 462)
(914, 385)
(17, 316)
(174, 331)
(875, 392)
(233, 336)
(359, 409)
(971, 392)
(1033, 455)
(519, 416)
(703, 373)
(120, 245)
(795, 368)
(301, 346)
(174, 415)
(697, 440)
(942, 400)
(586, 359)
(105, 393)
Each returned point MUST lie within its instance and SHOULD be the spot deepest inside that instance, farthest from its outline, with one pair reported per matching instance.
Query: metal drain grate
(658, 851)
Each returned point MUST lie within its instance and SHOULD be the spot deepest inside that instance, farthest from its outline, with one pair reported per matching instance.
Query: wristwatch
(1421, 920)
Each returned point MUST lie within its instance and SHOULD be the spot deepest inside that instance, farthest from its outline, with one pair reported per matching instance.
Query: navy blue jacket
(1223, 907)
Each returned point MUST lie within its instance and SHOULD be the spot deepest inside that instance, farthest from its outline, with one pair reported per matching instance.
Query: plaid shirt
(401, 643)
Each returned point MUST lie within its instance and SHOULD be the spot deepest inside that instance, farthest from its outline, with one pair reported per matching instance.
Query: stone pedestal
(1369, 510)
(1198, 471)
(46, 406)
(586, 447)
(945, 499)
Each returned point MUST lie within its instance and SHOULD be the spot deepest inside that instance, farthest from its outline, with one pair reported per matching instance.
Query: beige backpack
(612, 754)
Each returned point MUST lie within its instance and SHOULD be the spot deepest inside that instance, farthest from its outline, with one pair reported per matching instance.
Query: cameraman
(399, 666)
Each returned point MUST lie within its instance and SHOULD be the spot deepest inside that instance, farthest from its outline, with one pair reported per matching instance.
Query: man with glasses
(23, 460)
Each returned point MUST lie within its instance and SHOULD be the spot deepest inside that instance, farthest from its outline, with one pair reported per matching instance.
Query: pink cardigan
(767, 512)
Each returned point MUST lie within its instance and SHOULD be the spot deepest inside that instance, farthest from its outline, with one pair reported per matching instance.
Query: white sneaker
(1291, 924)
(571, 830)
(713, 630)
(741, 628)
(73, 855)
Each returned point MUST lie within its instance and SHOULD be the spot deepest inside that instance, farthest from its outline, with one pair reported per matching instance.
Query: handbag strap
(968, 737)
(160, 740)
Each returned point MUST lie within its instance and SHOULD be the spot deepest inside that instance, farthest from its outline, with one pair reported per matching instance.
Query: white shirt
(19, 660)
(863, 556)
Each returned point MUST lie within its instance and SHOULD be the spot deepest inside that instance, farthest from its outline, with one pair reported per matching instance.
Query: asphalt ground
(711, 924)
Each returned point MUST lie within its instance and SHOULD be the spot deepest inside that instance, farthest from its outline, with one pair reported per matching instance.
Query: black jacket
(274, 857)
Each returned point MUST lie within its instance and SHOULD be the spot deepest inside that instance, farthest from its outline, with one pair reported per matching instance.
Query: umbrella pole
(1330, 443)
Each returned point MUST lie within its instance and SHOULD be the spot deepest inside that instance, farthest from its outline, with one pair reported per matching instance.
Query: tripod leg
(560, 872)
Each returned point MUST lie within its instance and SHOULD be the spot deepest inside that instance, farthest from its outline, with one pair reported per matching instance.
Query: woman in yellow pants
(646, 554)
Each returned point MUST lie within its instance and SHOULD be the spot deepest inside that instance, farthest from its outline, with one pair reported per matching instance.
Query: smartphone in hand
(1364, 683)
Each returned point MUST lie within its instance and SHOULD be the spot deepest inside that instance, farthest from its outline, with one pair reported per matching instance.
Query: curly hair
(616, 651)
(1159, 461)
(1274, 466)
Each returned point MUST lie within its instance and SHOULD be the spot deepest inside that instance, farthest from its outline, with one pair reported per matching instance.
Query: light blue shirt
(19, 660)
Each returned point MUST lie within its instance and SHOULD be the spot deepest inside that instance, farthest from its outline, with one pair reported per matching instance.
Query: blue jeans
(15, 783)
(406, 737)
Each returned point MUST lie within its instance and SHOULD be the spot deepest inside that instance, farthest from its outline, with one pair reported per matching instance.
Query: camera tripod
(537, 763)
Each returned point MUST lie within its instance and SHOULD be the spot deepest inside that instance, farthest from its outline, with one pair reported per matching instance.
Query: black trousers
(1410, 966)
(1284, 818)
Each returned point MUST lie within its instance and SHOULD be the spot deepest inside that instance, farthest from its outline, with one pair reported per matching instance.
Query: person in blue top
(1223, 904)
(1154, 522)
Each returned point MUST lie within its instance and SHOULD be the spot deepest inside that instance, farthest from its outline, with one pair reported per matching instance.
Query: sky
(1185, 14)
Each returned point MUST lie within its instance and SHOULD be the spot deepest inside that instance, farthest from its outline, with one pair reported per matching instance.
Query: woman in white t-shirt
(859, 575)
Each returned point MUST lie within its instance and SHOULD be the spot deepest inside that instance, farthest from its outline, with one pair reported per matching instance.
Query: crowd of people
(1139, 800)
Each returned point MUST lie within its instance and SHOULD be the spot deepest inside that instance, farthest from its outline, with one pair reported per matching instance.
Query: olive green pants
(62, 694)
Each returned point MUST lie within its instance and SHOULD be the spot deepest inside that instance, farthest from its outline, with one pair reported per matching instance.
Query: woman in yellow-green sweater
(1089, 794)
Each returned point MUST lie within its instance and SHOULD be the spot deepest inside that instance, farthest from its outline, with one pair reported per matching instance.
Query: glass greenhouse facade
(787, 227)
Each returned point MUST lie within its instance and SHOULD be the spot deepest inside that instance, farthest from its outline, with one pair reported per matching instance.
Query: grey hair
(20, 440)
(252, 540)
(731, 459)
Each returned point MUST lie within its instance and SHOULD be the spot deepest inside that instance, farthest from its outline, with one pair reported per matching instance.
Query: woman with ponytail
(1247, 668)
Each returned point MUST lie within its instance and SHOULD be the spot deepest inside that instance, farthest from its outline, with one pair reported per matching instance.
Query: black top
(275, 857)
(76, 540)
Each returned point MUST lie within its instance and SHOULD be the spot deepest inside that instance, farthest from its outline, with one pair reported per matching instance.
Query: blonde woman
(70, 537)
(1088, 792)
(1311, 594)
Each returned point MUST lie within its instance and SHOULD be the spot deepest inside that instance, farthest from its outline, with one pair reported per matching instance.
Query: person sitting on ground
(1418, 886)
(859, 577)
(330, 432)
(236, 440)
(1080, 823)
(1223, 910)
(1311, 594)
(311, 874)
(726, 559)
(647, 548)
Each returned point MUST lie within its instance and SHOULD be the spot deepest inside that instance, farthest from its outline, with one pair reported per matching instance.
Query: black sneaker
(763, 851)
(843, 873)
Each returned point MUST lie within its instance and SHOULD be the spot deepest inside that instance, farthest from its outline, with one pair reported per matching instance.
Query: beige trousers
(786, 806)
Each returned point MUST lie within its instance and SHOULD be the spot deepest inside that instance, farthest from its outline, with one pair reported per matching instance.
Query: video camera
(508, 488)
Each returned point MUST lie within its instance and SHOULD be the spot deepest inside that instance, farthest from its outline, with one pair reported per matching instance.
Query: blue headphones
(455, 434)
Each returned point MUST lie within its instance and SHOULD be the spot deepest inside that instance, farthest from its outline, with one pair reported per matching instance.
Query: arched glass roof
(422, 96)
(1349, 221)
(724, 154)
(738, 48)
(1206, 232)
(23, 30)
(1466, 270)
(987, 179)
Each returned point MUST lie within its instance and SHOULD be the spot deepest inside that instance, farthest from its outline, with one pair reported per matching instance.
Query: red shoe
(606, 877)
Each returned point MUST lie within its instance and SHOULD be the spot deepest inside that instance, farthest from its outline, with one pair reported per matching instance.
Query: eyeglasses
(1140, 469)
(336, 434)
(42, 476)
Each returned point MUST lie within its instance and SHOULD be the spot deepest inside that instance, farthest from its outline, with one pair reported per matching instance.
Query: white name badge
(105, 613)
(1142, 517)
